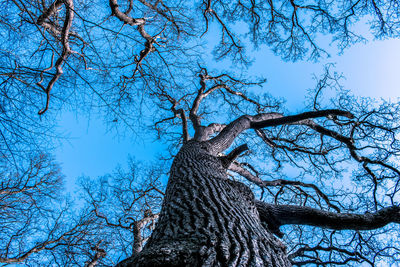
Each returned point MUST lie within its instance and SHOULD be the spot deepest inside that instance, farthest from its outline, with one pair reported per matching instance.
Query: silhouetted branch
(289, 214)
(224, 139)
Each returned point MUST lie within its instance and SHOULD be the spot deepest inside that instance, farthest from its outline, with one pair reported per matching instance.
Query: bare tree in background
(246, 172)
(292, 28)
(126, 205)
(37, 225)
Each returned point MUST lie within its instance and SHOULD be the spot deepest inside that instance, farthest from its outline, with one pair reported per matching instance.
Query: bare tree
(37, 224)
(126, 205)
(210, 219)
(140, 62)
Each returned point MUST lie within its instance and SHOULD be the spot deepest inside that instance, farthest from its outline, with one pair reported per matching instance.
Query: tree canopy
(326, 179)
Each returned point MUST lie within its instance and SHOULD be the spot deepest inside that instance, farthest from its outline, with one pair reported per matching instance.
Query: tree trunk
(207, 219)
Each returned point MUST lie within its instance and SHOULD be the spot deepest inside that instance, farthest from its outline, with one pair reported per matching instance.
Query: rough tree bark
(207, 219)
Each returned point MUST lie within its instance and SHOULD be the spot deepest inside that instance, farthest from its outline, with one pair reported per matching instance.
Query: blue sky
(370, 69)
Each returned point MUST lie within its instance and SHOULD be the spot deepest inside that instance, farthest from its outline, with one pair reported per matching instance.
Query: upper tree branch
(195, 119)
(178, 113)
(185, 132)
(223, 140)
(278, 215)
(139, 22)
(65, 32)
(300, 117)
(51, 10)
(231, 42)
(224, 84)
(201, 132)
(124, 17)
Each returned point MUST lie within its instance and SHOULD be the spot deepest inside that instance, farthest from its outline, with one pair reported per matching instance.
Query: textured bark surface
(208, 220)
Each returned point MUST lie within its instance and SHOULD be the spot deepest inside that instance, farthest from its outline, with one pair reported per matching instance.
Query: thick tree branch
(226, 137)
(228, 159)
(124, 17)
(300, 117)
(65, 32)
(279, 215)
(195, 119)
(201, 132)
(138, 240)
(212, 129)
(185, 132)
(178, 113)
(222, 141)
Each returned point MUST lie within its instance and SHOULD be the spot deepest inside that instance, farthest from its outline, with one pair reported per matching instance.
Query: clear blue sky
(370, 69)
